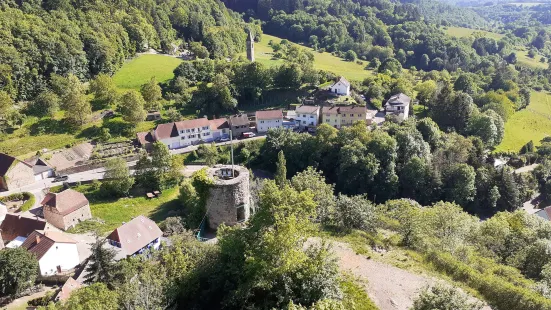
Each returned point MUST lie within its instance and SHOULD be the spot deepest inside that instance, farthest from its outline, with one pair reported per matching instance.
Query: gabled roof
(14, 226)
(170, 130)
(220, 123)
(38, 244)
(6, 161)
(65, 202)
(192, 123)
(342, 80)
(545, 213)
(67, 288)
(353, 109)
(145, 137)
(39, 165)
(271, 114)
(239, 120)
(308, 109)
(399, 99)
(136, 234)
(164, 131)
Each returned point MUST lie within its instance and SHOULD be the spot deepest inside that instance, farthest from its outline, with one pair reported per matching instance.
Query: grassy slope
(532, 123)
(522, 54)
(141, 69)
(323, 61)
(114, 212)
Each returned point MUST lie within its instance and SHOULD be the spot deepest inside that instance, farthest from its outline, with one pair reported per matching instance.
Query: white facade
(265, 124)
(402, 111)
(308, 117)
(62, 255)
(341, 87)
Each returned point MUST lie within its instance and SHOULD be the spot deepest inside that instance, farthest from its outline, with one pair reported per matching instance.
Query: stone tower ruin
(229, 200)
(250, 45)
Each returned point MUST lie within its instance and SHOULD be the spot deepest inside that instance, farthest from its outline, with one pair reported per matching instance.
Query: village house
(41, 169)
(339, 117)
(14, 228)
(239, 125)
(153, 116)
(55, 251)
(14, 173)
(308, 116)
(135, 237)
(185, 133)
(398, 105)
(66, 209)
(266, 120)
(341, 87)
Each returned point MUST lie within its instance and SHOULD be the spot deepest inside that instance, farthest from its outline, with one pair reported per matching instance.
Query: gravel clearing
(389, 287)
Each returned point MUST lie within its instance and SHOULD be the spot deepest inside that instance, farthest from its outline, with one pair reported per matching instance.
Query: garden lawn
(532, 123)
(461, 32)
(115, 212)
(141, 69)
(322, 61)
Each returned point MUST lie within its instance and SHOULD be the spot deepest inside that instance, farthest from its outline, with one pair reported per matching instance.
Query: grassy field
(461, 32)
(523, 59)
(115, 212)
(532, 123)
(141, 69)
(323, 61)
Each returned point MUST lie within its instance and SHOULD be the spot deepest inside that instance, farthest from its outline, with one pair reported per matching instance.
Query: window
(205, 134)
(304, 122)
(187, 130)
(183, 137)
(311, 116)
(261, 122)
(303, 115)
(277, 121)
(193, 130)
(327, 115)
(205, 128)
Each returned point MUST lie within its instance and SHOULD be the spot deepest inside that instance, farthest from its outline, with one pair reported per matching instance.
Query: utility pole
(231, 146)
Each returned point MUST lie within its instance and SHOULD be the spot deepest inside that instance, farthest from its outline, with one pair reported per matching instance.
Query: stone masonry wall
(225, 196)
(69, 220)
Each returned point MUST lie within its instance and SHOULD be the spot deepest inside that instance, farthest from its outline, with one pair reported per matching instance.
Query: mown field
(323, 61)
(461, 32)
(532, 123)
(116, 211)
(141, 69)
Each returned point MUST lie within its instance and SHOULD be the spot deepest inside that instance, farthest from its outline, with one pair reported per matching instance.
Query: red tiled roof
(330, 110)
(353, 109)
(136, 234)
(145, 138)
(164, 131)
(58, 236)
(220, 123)
(15, 226)
(192, 123)
(271, 114)
(38, 244)
(65, 202)
(307, 109)
(67, 288)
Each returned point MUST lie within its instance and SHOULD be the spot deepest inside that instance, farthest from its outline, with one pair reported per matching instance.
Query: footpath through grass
(116, 211)
(141, 69)
(322, 61)
(532, 123)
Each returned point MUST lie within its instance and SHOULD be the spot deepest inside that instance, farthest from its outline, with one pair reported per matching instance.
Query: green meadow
(141, 69)
(461, 32)
(532, 123)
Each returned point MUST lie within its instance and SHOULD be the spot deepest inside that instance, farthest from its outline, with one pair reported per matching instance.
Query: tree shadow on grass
(50, 126)
(167, 209)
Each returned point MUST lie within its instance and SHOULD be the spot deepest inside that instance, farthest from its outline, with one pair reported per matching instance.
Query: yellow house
(343, 116)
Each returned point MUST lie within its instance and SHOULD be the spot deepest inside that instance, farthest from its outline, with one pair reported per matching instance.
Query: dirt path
(20, 303)
(389, 287)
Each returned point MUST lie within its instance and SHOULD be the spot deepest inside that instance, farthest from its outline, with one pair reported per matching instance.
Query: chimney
(37, 239)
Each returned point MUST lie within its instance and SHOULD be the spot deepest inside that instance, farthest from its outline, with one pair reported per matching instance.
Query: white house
(308, 116)
(56, 252)
(136, 237)
(398, 105)
(268, 119)
(340, 87)
(220, 128)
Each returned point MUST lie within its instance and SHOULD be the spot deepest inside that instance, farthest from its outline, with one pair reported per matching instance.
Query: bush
(25, 196)
(443, 298)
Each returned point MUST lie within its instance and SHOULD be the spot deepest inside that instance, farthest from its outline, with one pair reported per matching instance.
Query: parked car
(61, 178)
(248, 135)
(224, 139)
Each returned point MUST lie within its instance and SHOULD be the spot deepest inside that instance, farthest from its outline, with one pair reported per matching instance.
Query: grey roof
(342, 80)
(239, 120)
(399, 99)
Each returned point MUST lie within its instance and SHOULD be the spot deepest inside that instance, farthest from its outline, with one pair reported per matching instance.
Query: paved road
(192, 148)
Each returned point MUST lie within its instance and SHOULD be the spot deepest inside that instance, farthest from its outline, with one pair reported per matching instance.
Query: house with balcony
(399, 106)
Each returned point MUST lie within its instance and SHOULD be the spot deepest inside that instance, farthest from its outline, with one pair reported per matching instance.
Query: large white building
(56, 252)
(185, 133)
(398, 105)
(340, 87)
(268, 119)
(308, 116)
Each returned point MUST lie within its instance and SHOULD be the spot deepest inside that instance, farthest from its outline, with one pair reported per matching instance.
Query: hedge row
(499, 293)
(25, 196)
